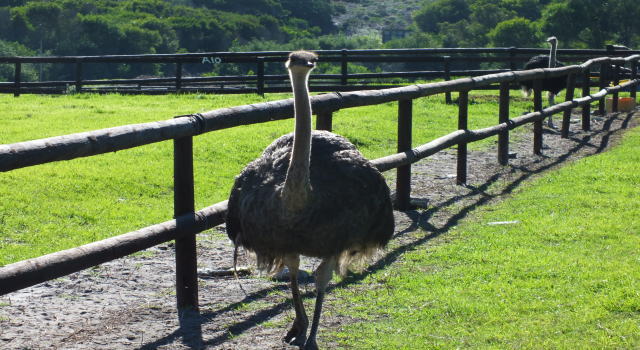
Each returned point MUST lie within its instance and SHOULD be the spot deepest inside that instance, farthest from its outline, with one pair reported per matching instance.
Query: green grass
(61, 205)
(566, 276)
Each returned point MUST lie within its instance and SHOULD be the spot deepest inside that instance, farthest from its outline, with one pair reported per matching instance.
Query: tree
(432, 14)
(518, 32)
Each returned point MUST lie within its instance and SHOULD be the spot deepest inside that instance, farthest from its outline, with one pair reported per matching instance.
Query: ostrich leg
(552, 101)
(298, 332)
(323, 276)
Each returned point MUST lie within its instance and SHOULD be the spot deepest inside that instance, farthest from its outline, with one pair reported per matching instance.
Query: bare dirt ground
(129, 303)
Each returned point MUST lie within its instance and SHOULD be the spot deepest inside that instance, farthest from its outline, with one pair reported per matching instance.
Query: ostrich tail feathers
(526, 91)
(355, 260)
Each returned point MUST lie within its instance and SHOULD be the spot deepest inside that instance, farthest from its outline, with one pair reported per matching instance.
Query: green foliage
(576, 23)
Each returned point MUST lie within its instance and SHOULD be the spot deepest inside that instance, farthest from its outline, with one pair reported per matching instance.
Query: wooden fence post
(78, 76)
(604, 72)
(260, 73)
(537, 125)
(324, 121)
(17, 73)
(634, 75)
(566, 116)
(186, 257)
(344, 74)
(616, 81)
(586, 108)
(178, 76)
(463, 113)
(512, 58)
(403, 178)
(503, 117)
(447, 77)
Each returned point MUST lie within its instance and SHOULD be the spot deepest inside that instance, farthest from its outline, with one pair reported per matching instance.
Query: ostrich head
(552, 40)
(301, 61)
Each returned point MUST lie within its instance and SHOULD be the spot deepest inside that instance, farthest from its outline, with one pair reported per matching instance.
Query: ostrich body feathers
(553, 85)
(348, 214)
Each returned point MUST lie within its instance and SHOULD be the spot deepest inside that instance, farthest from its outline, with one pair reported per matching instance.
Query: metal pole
(403, 178)
(78, 76)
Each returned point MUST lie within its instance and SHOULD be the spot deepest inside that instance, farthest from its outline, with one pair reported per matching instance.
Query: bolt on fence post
(178, 76)
(403, 178)
(586, 108)
(185, 247)
(616, 82)
(343, 68)
(260, 73)
(17, 73)
(503, 117)
(447, 77)
(604, 72)
(566, 116)
(324, 121)
(537, 125)
(463, 113)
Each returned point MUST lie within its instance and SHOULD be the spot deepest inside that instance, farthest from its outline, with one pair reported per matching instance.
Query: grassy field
(565, 276)
(61, 205)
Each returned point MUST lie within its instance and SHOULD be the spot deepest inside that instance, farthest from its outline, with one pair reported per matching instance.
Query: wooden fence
(453, 62)
(182, 129)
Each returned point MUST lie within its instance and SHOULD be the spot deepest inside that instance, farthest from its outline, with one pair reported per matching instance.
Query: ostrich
(552, 85)
(310, 193)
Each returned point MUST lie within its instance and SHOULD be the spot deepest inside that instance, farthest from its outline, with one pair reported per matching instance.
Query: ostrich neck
(552, 55)
(297, 186)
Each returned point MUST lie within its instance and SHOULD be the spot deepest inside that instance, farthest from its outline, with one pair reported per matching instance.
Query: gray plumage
(553, 85)
(349, 209)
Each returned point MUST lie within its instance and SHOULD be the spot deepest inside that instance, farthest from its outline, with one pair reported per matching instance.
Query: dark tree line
(98, 27)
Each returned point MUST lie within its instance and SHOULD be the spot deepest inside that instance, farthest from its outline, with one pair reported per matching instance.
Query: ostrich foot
(550, 124)
(311, 345)
(297, 335)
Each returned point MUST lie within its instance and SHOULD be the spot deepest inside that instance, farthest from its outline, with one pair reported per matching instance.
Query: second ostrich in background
(552, 85)
(310, 193)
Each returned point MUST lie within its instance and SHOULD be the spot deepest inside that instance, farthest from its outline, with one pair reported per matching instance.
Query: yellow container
(625, 104)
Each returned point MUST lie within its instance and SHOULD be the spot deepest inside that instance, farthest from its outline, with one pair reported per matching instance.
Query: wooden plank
(586, 91)
(30, 272)
(463, 112)
(324, 121)
(17, 76)
(537, 125)
(566, 116)
(503, 117)
(403, 177)
(185, 246)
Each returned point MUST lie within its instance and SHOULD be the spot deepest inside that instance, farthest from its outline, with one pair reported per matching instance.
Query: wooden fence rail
(181, 129)
(260, 82)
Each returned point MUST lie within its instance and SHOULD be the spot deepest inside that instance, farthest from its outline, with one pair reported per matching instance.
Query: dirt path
(129, 303)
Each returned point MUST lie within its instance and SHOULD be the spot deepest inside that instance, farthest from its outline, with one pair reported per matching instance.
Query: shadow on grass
(190, 330)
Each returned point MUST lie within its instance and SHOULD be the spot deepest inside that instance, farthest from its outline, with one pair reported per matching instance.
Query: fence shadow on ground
(191, 323)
